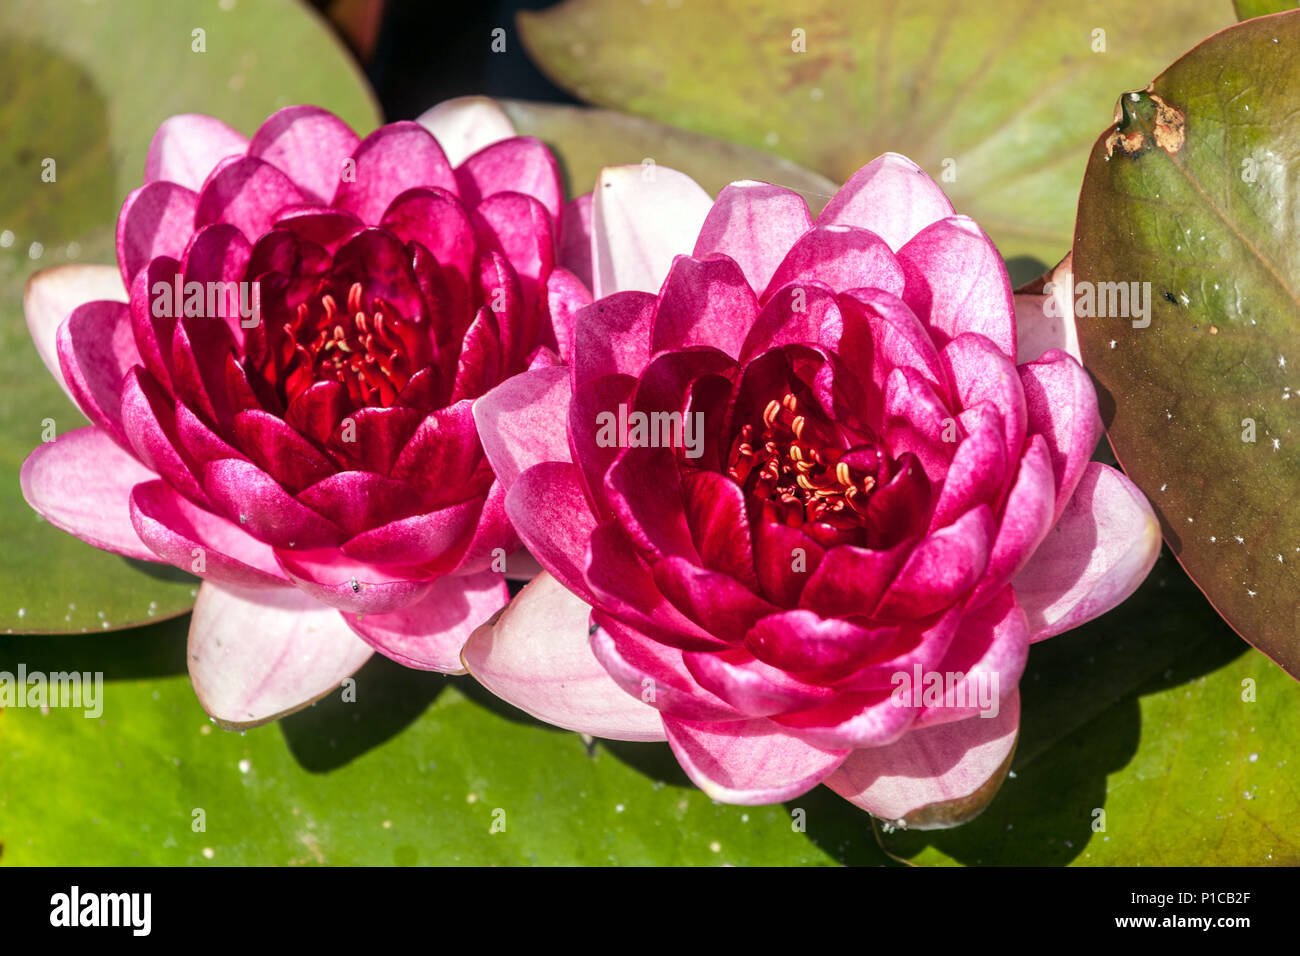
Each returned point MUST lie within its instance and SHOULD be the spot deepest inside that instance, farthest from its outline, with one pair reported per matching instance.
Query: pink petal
(1026, 519)
(942, 568)
(309, 145)
(978, 371)
(748, 762)
(247, 193)
(755, 224)
(892, 197)
(909, 781)
(575, 245)
(521, 421)
(537, 656)
(1062, 407)
(389, 161)
(465, 125)
(186, 148)
(843, 258)
(52, 295)
(96, 348)
(180, 533)
(520, 164)
(81, 483)
(956, 279)
(654, 672)
(1101, 549)
(430, 634)
(549, 511)
(354, 586)
(257, 655)
(245, 494)
(704, 302)
(1046, 321)
(566, 296)
(156, 220)
(612, 336)
(642, 216)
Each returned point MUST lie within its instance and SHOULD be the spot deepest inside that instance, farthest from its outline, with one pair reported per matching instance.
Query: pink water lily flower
(279, 376)
(813, 506)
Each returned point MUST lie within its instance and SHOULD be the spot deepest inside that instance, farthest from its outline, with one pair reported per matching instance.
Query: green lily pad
(85, 85)
(1191, 193)
(1260, 8)
(995, 100)
(417, 769)
(585, 140)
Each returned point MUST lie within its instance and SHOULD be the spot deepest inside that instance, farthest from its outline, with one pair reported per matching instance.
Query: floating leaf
(1192, 198)
(72, 103)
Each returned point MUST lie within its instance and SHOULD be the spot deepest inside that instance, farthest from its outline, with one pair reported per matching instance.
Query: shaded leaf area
(78, 114)
(1260, 8)
(1190, 201)
(999, 101)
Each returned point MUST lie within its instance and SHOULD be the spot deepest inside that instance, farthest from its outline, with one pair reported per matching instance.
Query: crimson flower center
(793, 466)
(371, 352)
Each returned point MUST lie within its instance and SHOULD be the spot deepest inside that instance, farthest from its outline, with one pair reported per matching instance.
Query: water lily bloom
(801, 509)
(279, 376)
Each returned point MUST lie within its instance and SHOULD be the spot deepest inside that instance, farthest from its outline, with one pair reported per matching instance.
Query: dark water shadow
(334, 731)
(156, 650)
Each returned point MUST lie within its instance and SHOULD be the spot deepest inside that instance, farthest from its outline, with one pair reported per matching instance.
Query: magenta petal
(1062, 407)
(1026, 519)
(50, 297)
(156, 220)
(280, 451)
(1101, 549)
(990, 650)
(612, 336)
(978, 371)
(521, 422)
(520, 164)
(186, 148)
(96, 348)
(430, 634)
(537, 657)
(843, 258)
(793, 314)
(704, 302)
(956, 279)
(354, 586)
(81, 483)
(717, 602)
(754, 688)
(943, 568)
(150, 425)
(549, 511)
(917, 422)
(851, 719)
(755, 224)
(850, 580)
(654, 672)
(575, 238)
(250, 497)
(257, 655)
(978, 471)
(930, 767)
(247, 193)
(803, 641)
(419, 539)
(309, 145)
(357, 501)
(626, 589)
(891, 196)
(749, 762)
(566, 296)
(391, 160)
(436, 219)
(198, 541)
